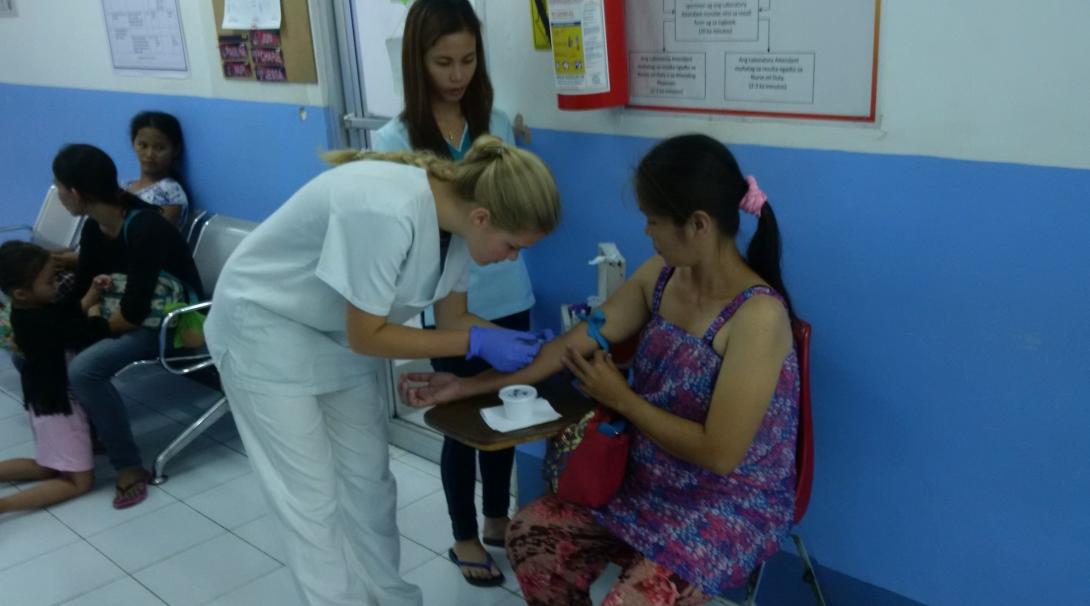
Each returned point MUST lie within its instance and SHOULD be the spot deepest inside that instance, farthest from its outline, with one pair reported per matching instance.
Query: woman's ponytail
(765, 251)
(513, 184)
(436, 166)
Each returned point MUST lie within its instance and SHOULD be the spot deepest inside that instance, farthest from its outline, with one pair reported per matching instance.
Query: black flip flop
(487, 565)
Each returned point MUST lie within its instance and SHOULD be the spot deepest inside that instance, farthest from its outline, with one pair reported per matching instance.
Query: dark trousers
(89, 376)
(458, 463)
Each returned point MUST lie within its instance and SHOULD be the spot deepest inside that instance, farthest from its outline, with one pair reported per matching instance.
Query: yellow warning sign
(568, 49)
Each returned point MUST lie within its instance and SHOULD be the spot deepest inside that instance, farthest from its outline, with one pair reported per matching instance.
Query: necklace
(453, 134)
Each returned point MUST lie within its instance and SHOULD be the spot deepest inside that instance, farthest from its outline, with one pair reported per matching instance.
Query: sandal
(123, 500)
(488, 564)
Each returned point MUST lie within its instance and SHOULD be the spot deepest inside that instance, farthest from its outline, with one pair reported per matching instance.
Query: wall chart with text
(786, 58)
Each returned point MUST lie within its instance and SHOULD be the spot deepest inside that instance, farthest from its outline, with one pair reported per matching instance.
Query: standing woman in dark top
(122, 235)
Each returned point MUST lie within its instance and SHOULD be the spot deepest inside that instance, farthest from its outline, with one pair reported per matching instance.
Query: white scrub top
(365, 232)
(496, 290)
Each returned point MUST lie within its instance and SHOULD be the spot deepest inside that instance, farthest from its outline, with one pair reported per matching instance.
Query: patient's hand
(598, 376)
(102, 282)
(93, 296)
(423, 389)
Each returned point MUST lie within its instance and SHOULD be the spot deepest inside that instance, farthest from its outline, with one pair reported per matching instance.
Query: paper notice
(251, 14)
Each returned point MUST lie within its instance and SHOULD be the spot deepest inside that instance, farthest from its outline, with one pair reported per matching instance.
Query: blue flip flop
(487, 565)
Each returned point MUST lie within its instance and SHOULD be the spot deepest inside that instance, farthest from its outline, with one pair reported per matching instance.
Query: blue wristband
(614, 428)
(594, 328)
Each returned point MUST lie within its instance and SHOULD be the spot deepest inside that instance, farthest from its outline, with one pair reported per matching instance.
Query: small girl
(157, 140)
(43, 330)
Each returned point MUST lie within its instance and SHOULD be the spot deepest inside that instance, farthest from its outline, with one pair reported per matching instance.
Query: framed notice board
(774, 58)
(286, 54)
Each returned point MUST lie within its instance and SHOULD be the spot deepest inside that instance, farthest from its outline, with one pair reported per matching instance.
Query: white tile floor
(205, 536)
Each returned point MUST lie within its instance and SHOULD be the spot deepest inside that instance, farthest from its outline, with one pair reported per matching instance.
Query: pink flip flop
(124, 502)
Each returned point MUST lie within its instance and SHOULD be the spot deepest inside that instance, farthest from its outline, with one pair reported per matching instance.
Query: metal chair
(216, 237)
(55, 228)
(804, 469)
(192, 226)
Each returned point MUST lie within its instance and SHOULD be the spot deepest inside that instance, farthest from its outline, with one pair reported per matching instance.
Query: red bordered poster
(773, 58)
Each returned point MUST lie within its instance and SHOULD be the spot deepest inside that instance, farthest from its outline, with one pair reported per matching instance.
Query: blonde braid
(513, 184)
(436, 166)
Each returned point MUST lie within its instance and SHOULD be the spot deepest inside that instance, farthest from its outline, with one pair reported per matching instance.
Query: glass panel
(379, 25)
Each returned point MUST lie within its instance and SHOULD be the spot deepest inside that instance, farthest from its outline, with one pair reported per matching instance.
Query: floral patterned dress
(710, 529)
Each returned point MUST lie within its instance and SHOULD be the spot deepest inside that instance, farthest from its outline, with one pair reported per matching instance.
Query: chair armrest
(201, 360)
(7, 228)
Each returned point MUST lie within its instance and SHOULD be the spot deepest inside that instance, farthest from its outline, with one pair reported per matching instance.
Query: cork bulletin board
(243, 52)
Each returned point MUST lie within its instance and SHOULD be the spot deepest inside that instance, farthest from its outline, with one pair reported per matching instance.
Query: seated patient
(709, 486)
(43, 329)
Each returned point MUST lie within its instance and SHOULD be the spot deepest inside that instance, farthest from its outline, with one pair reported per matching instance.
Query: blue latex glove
(506, 350)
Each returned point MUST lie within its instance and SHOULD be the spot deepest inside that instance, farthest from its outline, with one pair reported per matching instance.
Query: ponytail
(434, 165)
(127, 199)
(513, 184)
(764, 253)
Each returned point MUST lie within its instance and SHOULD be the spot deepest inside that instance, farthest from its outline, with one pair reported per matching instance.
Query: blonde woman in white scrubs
(313, 299)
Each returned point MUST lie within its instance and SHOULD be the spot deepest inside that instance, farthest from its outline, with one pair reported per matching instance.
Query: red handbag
(585, 463)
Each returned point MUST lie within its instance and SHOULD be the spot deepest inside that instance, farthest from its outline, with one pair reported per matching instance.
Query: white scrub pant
(323, 463)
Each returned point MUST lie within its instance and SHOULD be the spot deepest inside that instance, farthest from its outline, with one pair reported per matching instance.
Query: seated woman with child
(128, 239)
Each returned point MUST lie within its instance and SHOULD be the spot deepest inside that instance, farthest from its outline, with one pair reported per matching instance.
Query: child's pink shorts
(64, 441)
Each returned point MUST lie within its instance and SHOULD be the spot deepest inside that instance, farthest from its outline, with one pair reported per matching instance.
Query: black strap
(190, 294)
(444, 246)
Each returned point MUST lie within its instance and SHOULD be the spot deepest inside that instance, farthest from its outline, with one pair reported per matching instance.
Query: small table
(461, 419)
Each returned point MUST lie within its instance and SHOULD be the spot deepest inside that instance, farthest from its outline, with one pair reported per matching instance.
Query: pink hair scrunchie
(754, 198)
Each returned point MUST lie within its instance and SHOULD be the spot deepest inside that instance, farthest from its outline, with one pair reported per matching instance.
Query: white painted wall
(998, 80)
(63, 43)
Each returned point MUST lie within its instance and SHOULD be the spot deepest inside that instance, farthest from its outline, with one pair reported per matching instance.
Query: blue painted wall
(951, 354)
(949, 301)
(242, 158)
